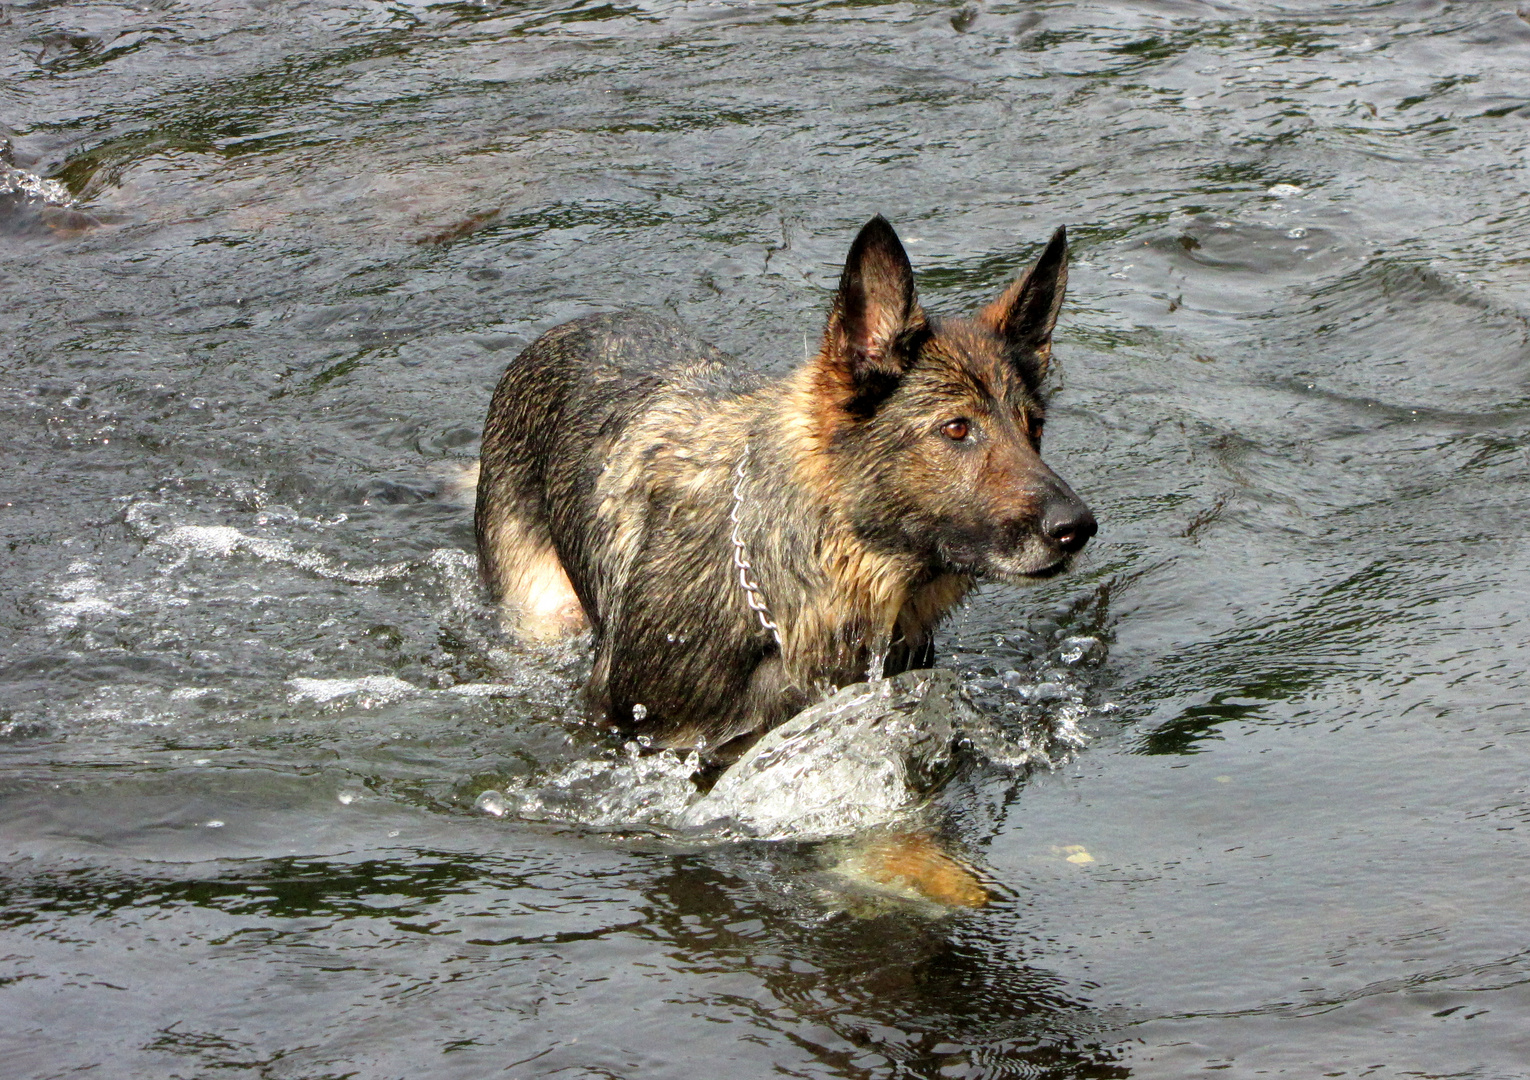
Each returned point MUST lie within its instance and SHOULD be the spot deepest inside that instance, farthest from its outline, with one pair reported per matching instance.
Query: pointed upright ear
(875, 311)
(1025, 313)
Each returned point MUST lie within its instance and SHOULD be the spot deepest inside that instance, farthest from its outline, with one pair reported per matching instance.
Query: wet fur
(607, 478)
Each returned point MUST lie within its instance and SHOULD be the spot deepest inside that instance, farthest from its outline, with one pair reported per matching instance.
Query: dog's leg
(914, 865)
(530, 581)
(906, 656)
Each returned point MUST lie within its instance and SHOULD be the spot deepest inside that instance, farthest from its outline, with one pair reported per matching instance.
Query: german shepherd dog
(738, 545)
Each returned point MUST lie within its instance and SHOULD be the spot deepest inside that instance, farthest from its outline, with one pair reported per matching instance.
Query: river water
(250, 696)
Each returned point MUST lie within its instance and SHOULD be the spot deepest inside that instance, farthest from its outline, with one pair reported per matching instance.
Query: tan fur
(868, 599)
(537, 598)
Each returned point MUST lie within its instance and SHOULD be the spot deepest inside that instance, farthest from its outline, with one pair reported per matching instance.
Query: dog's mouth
(1015, 576)
(1023, 560)
(1061, 566)
(1013, 570)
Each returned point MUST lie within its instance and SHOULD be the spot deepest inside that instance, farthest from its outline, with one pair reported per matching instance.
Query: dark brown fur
(610, 461)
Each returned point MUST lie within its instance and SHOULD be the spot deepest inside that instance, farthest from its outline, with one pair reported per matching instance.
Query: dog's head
(934, 426)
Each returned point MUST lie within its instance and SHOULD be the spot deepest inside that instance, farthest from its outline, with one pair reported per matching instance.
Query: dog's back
(597, 434)
(557, 411)
(554, 415)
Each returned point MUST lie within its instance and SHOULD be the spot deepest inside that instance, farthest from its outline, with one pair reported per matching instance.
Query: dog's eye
(955, 430)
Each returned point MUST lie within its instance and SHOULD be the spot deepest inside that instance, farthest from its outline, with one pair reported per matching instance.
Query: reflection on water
(366, 942)
(262, 265)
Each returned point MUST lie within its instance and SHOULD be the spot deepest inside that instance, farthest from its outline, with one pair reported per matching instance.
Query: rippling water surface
(250, 696)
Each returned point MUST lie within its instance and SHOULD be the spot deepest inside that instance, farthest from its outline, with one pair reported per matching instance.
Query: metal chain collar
(741, 561)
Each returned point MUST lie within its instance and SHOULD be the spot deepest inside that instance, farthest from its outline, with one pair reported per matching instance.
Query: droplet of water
(1074, 650)
(1047, 691)
(876, 664)
(215, 824)
(1283, 191)
(491, 802)
(640, 712)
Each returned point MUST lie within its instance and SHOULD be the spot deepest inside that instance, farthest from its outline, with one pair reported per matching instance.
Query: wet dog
(736, 544)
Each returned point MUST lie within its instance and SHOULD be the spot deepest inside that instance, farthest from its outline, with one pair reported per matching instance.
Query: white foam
(15, 181)
(82, 596)
(482, 690)
(223, 541)
(371, 690)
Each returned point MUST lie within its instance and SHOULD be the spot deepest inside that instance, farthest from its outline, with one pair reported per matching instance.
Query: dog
(739, 545)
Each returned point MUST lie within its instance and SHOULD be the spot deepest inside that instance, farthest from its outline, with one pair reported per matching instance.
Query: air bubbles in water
(1046, 691)
(1080, 650)
(491, 802)
(18, 182)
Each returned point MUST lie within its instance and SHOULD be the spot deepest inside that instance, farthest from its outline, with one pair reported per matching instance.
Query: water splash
(865, 756)
(30, 205)
(19, 183)
(628, 790)
(869, 755)
(182, 542)
(367, 692)
(876, 663)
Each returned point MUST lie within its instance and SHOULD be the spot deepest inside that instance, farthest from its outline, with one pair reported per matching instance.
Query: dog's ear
(1025, 313)
(875, 312)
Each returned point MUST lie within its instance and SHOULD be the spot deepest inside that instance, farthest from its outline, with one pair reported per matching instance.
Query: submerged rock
(30, 204)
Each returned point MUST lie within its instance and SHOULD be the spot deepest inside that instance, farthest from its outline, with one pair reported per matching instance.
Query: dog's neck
(870, 597)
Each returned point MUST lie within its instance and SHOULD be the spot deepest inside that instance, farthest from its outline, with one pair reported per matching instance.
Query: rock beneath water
(860, 758)
(30, 204)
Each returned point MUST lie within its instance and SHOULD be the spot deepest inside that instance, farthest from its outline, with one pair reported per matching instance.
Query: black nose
(1069, 523)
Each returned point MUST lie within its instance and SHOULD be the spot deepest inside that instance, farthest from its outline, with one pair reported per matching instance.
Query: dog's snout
(1068, 523)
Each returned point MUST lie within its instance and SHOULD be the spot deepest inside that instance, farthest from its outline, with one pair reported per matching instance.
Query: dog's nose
(1068, 523)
